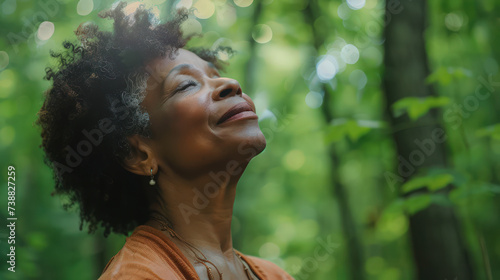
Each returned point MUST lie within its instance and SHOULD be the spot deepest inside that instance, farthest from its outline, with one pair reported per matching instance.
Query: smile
(240, 111)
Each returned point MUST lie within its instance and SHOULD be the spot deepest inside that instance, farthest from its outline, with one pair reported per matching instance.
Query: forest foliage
(315, 70)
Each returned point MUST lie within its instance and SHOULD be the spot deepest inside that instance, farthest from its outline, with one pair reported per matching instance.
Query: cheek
(183, 132)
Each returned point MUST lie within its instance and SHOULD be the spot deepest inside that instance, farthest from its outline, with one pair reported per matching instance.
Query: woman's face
(199, 120)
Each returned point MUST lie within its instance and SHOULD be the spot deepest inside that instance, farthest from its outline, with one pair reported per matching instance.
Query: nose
(225, 88)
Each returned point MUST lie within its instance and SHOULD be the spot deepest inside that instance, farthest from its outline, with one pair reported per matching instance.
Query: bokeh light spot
(223, 56)
(490, 65)
(7, 82)
(285, 230)
(269, 250)
(191, 26)
(307, 229)
(45, 30)
(7, 135)
(350, 54)
(327, 67)
(155, 11)
(293, 264)
(358, 78)
(294, 159)
(356, 4)
(9, 7)
(184, 4)
(226, 15)
(392, 226)
(85, 7)
(343, 11)
(204, 9)
(282, 57)
(155, 2)
(454, 21)
(131, 8)
(314, 99)
(262, 33)
(243, 3)
(4, 60)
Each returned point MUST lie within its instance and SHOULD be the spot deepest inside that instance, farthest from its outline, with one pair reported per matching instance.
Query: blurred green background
(355, 182)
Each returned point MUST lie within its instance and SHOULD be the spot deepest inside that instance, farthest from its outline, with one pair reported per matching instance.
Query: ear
(141, 158)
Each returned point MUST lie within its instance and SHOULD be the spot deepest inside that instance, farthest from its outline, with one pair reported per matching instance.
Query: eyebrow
(183, 66)
(178, 68)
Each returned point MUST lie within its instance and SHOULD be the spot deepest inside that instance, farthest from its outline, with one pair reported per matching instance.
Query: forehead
(161, 67)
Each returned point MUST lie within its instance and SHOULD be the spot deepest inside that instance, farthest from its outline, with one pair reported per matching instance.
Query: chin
(251, 146)
(259, 142)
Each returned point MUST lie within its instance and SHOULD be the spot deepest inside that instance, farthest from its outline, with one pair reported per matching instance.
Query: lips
(238, 109)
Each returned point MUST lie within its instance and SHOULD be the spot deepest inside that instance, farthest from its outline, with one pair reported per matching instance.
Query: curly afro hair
(94, 104)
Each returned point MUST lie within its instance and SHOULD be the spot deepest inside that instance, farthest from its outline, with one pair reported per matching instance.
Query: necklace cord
(193, 249)
(167, 226)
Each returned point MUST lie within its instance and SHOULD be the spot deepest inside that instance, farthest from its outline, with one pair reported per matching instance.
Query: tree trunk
(438, 248)
(354, 247)
(251, 64)
(247, 86)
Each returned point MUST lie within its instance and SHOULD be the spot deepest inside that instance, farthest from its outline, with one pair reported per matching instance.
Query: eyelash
(185, 86)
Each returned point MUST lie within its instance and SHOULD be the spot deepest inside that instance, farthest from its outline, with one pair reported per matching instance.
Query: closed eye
(184, 86)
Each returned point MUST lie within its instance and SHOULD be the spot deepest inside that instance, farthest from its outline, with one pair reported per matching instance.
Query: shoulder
(120, 268)
(146, 255)
(270, 270)
(135, 264)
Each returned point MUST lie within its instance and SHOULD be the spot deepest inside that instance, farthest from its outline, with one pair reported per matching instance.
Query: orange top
(149, 254)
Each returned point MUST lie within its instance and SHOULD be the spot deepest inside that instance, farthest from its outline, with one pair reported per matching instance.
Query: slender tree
(250, 68)
(350, 232)
(438, 248)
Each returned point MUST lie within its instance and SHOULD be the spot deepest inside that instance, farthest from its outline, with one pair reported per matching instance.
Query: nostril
(225, 92)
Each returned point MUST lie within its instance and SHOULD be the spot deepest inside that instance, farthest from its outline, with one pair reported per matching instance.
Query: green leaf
(417, 110)
(473, 189)
(439, 101)
(354, 131)
(417, 203)
(417, 107)
(444, 76)
(334, 133)
(492, 131)
(432, 182)
(461, 72)
(441, 76)
(414, 184)
(402, 105)
(439, 181)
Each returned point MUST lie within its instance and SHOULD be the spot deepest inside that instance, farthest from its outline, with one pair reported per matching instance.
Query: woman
(145, 135)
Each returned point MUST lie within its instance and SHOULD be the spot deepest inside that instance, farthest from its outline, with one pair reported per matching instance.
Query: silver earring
(152, 182)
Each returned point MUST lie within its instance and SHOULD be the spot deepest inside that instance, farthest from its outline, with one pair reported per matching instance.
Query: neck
(198, 209)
